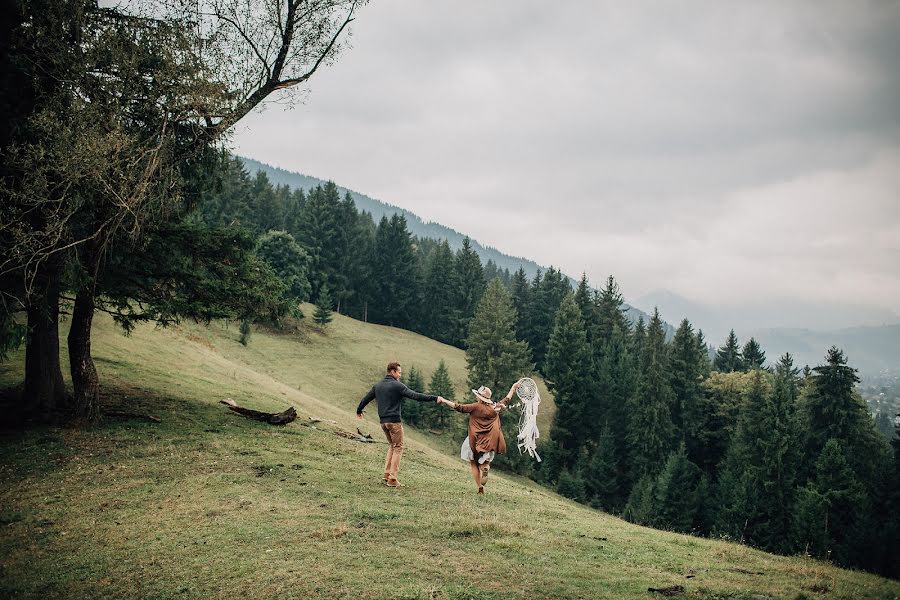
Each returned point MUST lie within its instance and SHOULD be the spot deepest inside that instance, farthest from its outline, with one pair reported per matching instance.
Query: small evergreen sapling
(322, 316)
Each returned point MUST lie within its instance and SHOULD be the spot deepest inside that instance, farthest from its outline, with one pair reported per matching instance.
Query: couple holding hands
(485, 439)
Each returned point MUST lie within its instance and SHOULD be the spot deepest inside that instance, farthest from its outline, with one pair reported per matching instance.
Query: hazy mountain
(416, 225)
(869, 337)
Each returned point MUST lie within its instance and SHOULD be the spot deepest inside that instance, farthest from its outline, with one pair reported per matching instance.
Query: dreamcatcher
(528, 429)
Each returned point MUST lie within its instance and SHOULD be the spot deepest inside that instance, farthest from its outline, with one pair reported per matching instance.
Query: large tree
(651, 434)
(122, 105)
(728, 356)
(569, 370)
(494, 356)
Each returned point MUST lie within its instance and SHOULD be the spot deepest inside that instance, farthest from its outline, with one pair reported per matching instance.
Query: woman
(485, 438)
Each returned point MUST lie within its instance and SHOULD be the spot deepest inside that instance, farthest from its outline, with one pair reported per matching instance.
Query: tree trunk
(44, 391)
(85, 383)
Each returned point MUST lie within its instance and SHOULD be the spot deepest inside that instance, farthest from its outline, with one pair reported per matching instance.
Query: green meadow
(209, 504)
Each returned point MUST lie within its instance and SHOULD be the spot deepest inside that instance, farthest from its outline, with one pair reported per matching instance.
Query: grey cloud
(624, 138)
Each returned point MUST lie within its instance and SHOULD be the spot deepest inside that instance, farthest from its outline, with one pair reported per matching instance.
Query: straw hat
(484, 394)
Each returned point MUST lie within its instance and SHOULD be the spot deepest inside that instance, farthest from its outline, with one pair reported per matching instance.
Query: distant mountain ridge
(873, 348)
(416, 225)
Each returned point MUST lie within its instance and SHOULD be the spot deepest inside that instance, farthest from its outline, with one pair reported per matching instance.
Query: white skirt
(465, 453)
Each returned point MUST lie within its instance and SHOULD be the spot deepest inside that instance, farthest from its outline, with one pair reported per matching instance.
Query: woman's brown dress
(484, 427)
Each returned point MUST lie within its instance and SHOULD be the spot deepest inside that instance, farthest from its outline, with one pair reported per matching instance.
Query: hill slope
(209, 504)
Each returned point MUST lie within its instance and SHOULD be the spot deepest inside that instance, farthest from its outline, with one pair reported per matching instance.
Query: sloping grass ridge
(208, 504)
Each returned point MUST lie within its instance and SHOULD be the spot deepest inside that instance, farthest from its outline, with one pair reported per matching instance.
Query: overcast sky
(744, 155)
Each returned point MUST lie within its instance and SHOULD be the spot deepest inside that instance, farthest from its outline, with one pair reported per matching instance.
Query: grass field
(208, 504)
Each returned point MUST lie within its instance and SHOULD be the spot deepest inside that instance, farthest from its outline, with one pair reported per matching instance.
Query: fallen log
(282, 418)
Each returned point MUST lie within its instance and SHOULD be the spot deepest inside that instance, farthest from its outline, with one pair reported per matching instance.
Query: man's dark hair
(393, 366)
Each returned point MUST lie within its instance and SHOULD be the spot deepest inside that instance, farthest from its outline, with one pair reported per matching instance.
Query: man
(389, 393)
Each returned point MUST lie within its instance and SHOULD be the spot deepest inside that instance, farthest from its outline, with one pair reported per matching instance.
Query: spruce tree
(438, 306)
(322, 315)
(289, 262)
(395, 274)
(830, 509)
(615, 382)
(833, 409)
(246, 331)
(728, 356)
(585, 302)
(601, 475)
(414, 412)
(677, 503)
(469, 286)
(496, 359)
(268, 212)
(441, 385)
(521, 297)
(780, 458)
(610, 313)
(686, 370)
(753, 355)
(651, 434)
(318, 234)
(494, 356)
(741, 479)
(571, 485)
(569, 376)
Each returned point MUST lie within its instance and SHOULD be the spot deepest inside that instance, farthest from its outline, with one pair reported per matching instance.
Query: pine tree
(829, 509)
(496, 359)
(728, 356)
(677, 503)
(686, 366)
(571, 485)
(553, 288)
(318, 233)
(521, 297)
(470, 285)
(723, 396)
(268, 213)
(651, 434)
(615, 380)
(246, 331)
(396, 274)
(322, 315)
(741, 478)
(569, 376)
(414, 412)
(641, 507)
(288, 260)
(438, 306)
(611, 313)
(753, 355)
(601, 476)
(704, 353)
(493, 355)
(833, 409)
(584, 301)
(780, 458)
(441, 385)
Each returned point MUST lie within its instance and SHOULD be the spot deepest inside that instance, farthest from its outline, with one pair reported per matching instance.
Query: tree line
(667, 434)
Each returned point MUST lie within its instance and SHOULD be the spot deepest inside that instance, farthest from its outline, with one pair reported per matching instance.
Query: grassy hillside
(209, 504)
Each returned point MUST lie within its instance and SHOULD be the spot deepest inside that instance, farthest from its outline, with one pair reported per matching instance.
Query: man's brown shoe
(393, 483)
(481, 490)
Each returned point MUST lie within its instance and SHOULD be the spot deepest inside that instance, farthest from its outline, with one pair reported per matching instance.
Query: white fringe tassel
(528, 429)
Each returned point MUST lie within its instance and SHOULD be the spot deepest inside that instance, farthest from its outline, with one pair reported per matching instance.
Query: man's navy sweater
(390, 393)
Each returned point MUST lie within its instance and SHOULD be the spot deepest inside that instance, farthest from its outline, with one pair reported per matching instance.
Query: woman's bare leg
(476, 472)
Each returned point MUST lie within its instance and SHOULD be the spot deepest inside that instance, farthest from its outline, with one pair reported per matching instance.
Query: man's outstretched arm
(413, 395)
(366, 399)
